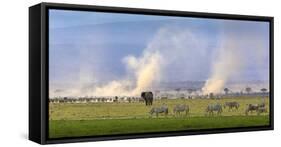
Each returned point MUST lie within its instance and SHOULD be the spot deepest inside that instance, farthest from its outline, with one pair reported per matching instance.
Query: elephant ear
(142, 94)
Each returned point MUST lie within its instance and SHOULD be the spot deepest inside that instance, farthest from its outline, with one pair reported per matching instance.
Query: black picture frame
(38, 70)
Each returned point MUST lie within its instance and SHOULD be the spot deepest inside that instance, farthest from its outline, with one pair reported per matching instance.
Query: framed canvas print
(103, 73)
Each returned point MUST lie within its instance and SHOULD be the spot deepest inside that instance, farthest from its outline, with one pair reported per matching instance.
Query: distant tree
(211, 96)
(264, 90)
(177, 90)
(248, 89)
(189, 91)
(226, 90)
(241, 92)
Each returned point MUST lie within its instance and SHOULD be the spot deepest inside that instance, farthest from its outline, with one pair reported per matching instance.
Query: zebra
(181, 108)
(156, 110)
(214, 107)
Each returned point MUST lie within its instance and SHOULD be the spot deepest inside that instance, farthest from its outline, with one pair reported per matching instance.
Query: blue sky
(92, 46)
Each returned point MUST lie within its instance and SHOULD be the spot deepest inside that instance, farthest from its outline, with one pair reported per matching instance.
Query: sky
(90, 51)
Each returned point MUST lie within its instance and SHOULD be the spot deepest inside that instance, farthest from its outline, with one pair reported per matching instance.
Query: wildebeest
(259, 108)
(231, 105)
(157, 110)
(181, 108)
(262, 104)
(148, 97)
(262, 110)
(115, 99)
(251, 108)
(214, 107)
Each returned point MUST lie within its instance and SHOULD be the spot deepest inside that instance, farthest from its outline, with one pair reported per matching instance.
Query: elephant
(148, 97)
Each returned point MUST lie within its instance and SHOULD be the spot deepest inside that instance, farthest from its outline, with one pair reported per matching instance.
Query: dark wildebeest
(115, 99)
(259, 108)
(231, 105)
(262, 110)
(181, 108)
(251, 108)
(262, 105)
(214, 107)
(148, 97)
(157, 110)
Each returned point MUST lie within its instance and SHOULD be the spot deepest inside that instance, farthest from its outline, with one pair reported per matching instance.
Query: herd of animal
(210, 110)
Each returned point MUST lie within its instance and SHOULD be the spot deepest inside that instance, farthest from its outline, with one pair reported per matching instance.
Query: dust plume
(227, 63)
(143, 70)
(237, 53)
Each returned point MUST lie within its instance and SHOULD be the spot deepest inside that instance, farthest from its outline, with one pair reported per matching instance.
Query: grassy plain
(92, 119)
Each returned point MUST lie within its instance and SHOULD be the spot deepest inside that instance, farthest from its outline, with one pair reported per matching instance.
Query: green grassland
(90, 119)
